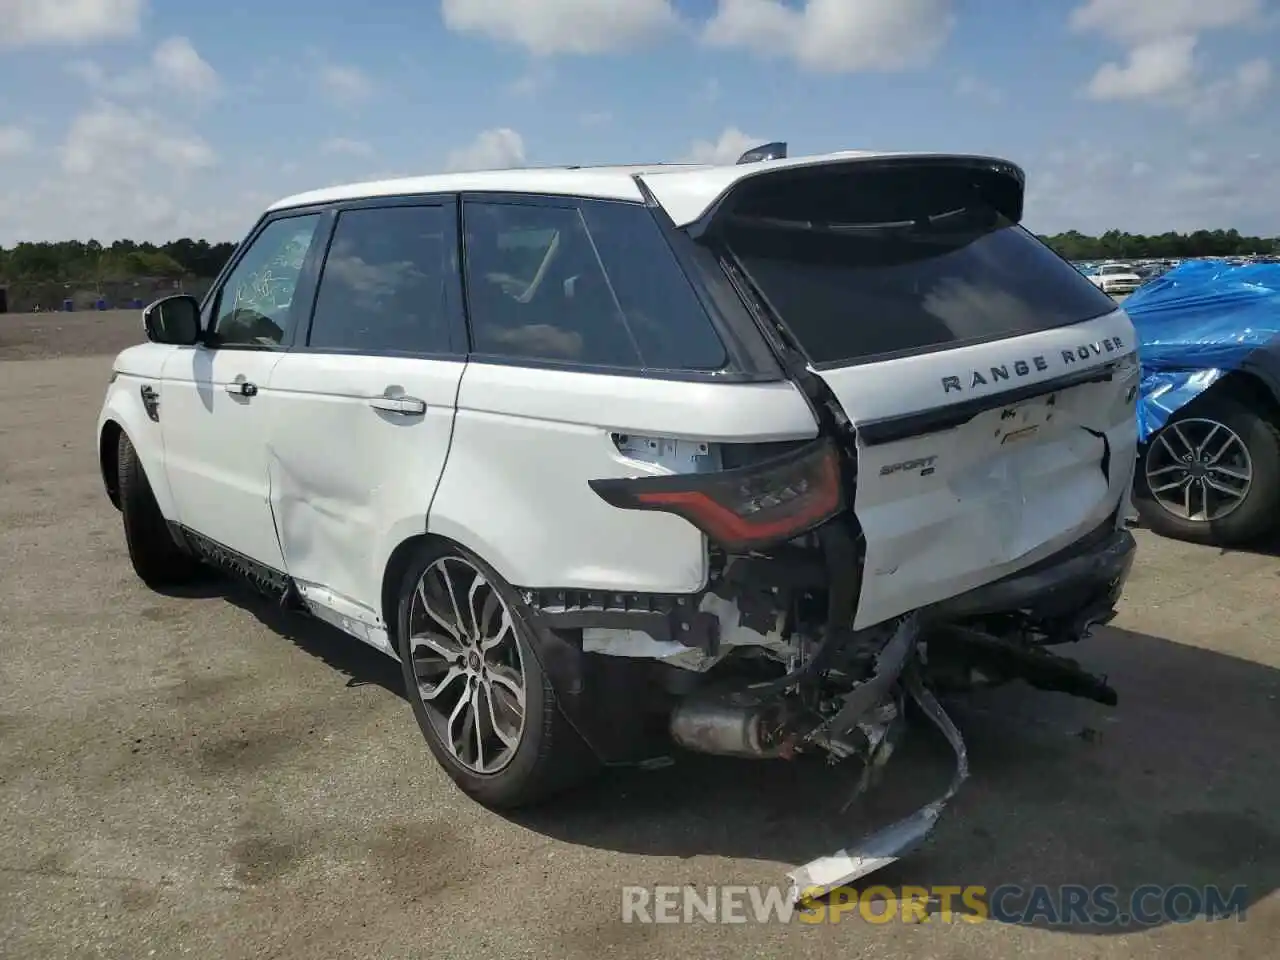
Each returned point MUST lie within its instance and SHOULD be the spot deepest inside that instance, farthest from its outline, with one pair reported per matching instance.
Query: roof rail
(768, 151)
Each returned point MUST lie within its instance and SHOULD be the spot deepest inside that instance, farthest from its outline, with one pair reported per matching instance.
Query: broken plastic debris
(819, 877)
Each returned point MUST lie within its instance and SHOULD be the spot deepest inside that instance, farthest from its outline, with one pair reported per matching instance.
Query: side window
(252, 308)
(585, 281)
(670, 326)
(388, 281)
(536, 289)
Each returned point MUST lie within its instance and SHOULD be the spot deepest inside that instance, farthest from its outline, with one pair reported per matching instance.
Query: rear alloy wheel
(486, 708)
(1211, 475)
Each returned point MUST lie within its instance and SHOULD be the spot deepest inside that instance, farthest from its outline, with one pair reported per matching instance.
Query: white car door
(363, 406)
(213, 396)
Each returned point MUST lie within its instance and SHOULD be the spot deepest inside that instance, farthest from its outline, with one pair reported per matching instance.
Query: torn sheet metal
(1197, 323)
(819, 877)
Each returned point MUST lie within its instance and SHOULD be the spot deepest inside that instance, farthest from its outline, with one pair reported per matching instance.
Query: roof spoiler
(768, 151)
(1002, 183)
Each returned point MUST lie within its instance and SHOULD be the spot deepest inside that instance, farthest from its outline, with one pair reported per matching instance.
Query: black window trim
(748, 349)
(305, 286)
(459, 345)
(731, 372)
(750, 358)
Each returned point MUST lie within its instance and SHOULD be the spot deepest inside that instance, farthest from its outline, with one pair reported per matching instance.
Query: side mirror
(174, 320)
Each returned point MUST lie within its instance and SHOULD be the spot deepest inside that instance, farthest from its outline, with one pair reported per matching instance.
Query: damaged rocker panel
(267, 580)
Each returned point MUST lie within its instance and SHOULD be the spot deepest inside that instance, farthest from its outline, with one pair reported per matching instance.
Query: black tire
(156, 557)
(1258, 513)
(549, 756)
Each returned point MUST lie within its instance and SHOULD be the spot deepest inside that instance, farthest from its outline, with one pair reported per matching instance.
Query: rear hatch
(989, 385)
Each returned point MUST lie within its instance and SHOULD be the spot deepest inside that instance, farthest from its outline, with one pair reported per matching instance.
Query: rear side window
(389, 282)
(892, 262)
(581, 281)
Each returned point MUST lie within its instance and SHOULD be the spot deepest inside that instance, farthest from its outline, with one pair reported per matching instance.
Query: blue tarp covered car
(1209, 402)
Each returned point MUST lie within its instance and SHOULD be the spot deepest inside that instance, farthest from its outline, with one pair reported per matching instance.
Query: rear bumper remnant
(821, 876)
(1078, 586)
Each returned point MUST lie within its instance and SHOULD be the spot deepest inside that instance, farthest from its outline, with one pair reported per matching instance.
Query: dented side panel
(350, 481)
(215, 440)
(527, 442)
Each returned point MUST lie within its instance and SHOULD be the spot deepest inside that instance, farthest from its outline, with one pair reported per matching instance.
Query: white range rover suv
(739, 458)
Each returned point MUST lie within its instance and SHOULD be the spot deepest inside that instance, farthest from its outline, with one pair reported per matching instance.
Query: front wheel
(481, 698)
(1211, 474)
(156, 557)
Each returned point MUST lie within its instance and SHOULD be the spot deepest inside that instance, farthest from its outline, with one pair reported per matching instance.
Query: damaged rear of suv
(737, 458)
(959, 509)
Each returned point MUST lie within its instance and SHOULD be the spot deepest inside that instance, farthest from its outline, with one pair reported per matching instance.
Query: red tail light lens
(748, 507)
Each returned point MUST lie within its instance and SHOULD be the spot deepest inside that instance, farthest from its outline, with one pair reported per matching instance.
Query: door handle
(242, 388)
(406, 406)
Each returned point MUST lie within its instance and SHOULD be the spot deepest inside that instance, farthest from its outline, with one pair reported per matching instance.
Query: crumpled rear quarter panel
(527, 441)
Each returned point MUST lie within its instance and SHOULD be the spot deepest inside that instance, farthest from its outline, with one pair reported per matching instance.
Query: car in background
(1209, 402)
(1151, 270)
(1115, 279)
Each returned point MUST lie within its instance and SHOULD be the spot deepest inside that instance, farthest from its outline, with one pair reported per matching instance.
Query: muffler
(727, 730)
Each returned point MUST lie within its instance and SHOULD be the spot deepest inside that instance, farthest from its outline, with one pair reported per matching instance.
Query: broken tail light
(747, 507)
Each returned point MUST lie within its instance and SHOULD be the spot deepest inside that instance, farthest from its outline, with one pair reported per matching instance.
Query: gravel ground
(28, 336)
(200, 774)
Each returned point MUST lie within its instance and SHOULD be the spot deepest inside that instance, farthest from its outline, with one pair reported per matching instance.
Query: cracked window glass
(254, 302)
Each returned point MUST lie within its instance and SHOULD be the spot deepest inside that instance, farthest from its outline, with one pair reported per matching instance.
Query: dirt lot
(201, 775)
(88, 333)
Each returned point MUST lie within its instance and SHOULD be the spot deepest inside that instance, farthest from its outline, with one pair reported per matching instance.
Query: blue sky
(162, 118)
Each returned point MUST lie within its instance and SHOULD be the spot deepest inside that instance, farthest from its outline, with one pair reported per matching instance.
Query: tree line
(1116, 245)
(75, 261)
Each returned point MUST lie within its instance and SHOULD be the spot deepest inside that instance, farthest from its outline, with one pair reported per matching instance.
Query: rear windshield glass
(893, 262)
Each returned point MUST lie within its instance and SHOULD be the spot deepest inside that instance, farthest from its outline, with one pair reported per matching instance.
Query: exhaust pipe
(716, 727)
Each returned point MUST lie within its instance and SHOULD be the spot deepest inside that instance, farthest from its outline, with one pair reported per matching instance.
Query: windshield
(898, 262)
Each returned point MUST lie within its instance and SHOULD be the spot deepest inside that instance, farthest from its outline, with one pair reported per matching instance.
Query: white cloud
(33, 23)
(1154, 68)
(975, 88)
(175, 67)
(498, 149)
(1160, 38)
(1237, 91)
(1135, 21)
(110, 141)
(15, 141)
(1093, 188)
(836, 35)
(547, 27)
(346, 85)
(125, 172)
(731, 144)
(1253, 77)
(533, 81)
(177, 64)
(346, 147)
